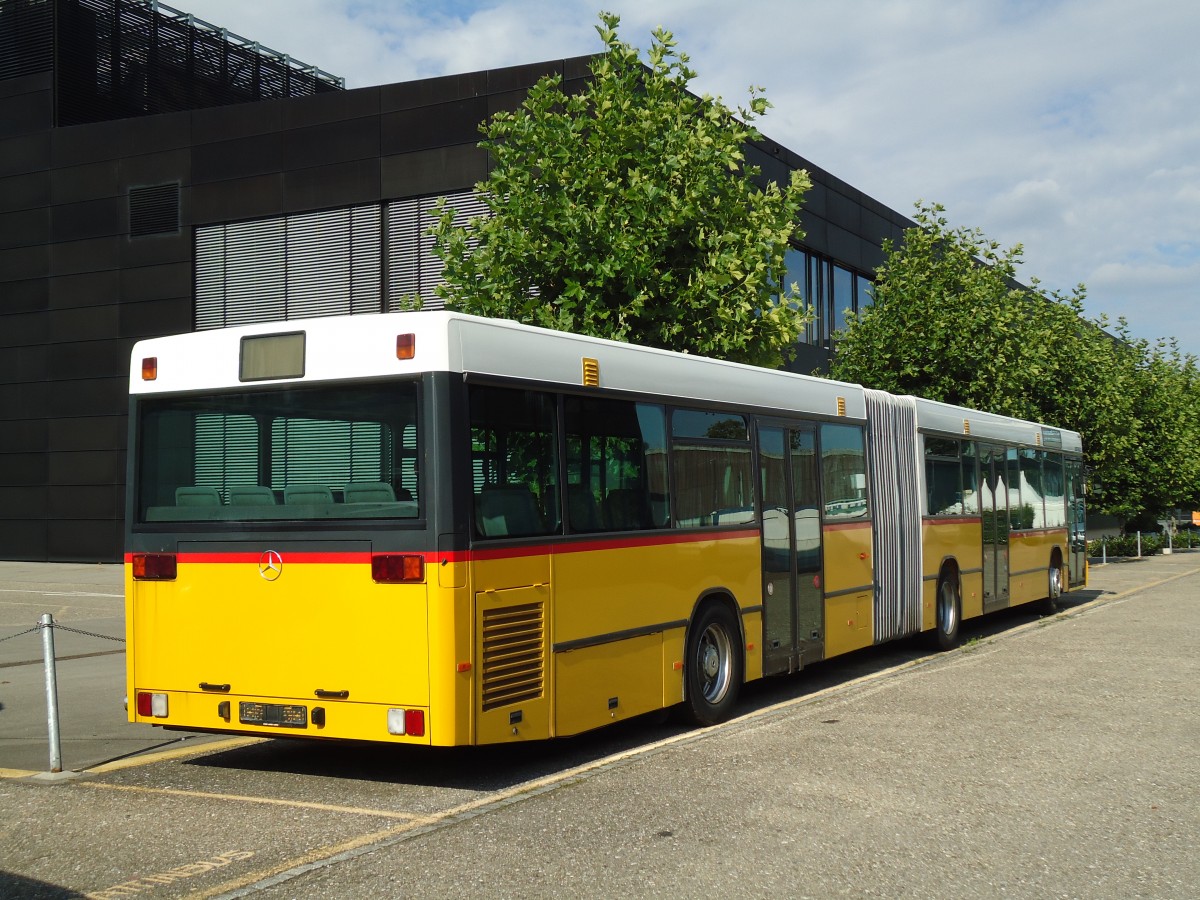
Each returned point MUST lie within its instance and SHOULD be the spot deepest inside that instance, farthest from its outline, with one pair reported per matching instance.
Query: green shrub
(1186, 539)
(1127, 545)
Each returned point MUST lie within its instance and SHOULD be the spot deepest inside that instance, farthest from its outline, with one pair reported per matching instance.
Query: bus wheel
(949, 612)
(712, 668)
(1054, 586)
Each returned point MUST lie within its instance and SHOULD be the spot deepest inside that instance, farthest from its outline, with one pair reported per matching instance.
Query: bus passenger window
(616, 465)
(843, 471)
(514, 460)
(1054, 490)
(943, 489)
(711, 469)
(970, 479)
(1032, 488)
(1019, 517)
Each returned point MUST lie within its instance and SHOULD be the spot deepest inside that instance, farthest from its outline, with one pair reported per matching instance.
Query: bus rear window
(315, 453)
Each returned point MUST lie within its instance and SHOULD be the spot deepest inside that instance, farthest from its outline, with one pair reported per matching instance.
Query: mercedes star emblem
(270, 565)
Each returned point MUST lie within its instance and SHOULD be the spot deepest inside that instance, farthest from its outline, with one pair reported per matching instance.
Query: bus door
(1076, 523)
(793, 626)
(993, 507)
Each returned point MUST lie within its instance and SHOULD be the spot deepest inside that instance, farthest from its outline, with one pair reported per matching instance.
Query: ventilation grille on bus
(513, 651)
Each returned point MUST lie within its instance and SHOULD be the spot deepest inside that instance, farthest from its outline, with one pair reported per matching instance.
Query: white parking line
(120, 596)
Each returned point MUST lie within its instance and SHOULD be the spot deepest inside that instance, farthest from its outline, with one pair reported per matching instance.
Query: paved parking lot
(1047, 757)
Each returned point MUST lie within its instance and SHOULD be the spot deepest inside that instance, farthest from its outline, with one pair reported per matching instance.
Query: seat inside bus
(370, 492)
(307, 493)
(507, 510)
(251, 495)
(582, 508)
(188, 495)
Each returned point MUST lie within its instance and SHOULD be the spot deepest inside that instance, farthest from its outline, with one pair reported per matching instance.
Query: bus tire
(1048, 606)
(712, 667)
(948, 612)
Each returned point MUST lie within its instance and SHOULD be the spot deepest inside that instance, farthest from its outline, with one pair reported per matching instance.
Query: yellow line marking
(269, 801)
(313, 856)
(16, 773)
(176, 753)
(1144, 587)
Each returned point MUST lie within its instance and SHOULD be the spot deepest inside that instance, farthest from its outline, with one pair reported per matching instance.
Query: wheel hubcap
(947, 609)
(713, 660)
(1055, 583)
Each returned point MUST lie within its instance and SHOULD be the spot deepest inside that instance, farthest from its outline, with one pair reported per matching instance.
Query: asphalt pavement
(87, 604)
(1047, 757)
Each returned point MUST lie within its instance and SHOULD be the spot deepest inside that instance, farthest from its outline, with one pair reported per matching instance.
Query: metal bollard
(46, 622)
(1139, 545)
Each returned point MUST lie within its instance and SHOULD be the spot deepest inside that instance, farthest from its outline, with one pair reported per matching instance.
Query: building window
(843, 298)
(828, 291)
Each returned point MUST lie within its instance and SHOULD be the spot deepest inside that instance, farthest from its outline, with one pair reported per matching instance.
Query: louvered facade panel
(414, 270)
(289, 267)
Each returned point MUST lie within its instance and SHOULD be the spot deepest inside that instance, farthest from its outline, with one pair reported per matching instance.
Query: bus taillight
(409, 722)
(397, 568)
(154, 566)
(152, 704)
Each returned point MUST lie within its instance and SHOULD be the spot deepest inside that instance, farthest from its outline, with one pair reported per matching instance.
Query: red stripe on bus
(1029, 532)
(455, 556)
(292, 556)
(624, 542)
(846, 526)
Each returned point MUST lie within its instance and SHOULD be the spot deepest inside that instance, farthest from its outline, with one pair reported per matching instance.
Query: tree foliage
(628, 210)
(949, 322)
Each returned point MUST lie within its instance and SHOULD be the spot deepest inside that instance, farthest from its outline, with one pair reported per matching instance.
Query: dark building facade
(158, 175)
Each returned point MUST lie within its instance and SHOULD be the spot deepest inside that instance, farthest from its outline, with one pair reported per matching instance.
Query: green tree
(949, 322)
(1166, 446)
(628, 210)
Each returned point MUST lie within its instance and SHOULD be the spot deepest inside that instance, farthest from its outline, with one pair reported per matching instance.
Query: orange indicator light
(154, 566)
(406, 346)
(464, 667)
(397, 568)
(149, 368)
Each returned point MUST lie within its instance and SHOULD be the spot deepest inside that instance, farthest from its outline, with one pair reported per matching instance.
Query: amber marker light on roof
(406, 346)
(149, 368)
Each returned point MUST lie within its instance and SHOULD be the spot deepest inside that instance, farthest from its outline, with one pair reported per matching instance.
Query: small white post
(1139, 545)
(46, 623)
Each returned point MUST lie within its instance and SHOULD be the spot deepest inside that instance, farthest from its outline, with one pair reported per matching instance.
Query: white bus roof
(340, 348)
(959, 421)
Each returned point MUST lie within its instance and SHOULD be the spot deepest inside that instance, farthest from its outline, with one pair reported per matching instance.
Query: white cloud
(1068, 126)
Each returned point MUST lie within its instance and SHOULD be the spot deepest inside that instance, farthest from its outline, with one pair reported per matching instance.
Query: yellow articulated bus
(437, 529)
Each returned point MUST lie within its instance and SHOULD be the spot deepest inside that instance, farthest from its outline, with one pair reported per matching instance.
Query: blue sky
(1071, 127)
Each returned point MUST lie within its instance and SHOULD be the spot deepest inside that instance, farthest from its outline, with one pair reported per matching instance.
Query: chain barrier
(40, 626)
(19, 633)
(106, 637)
